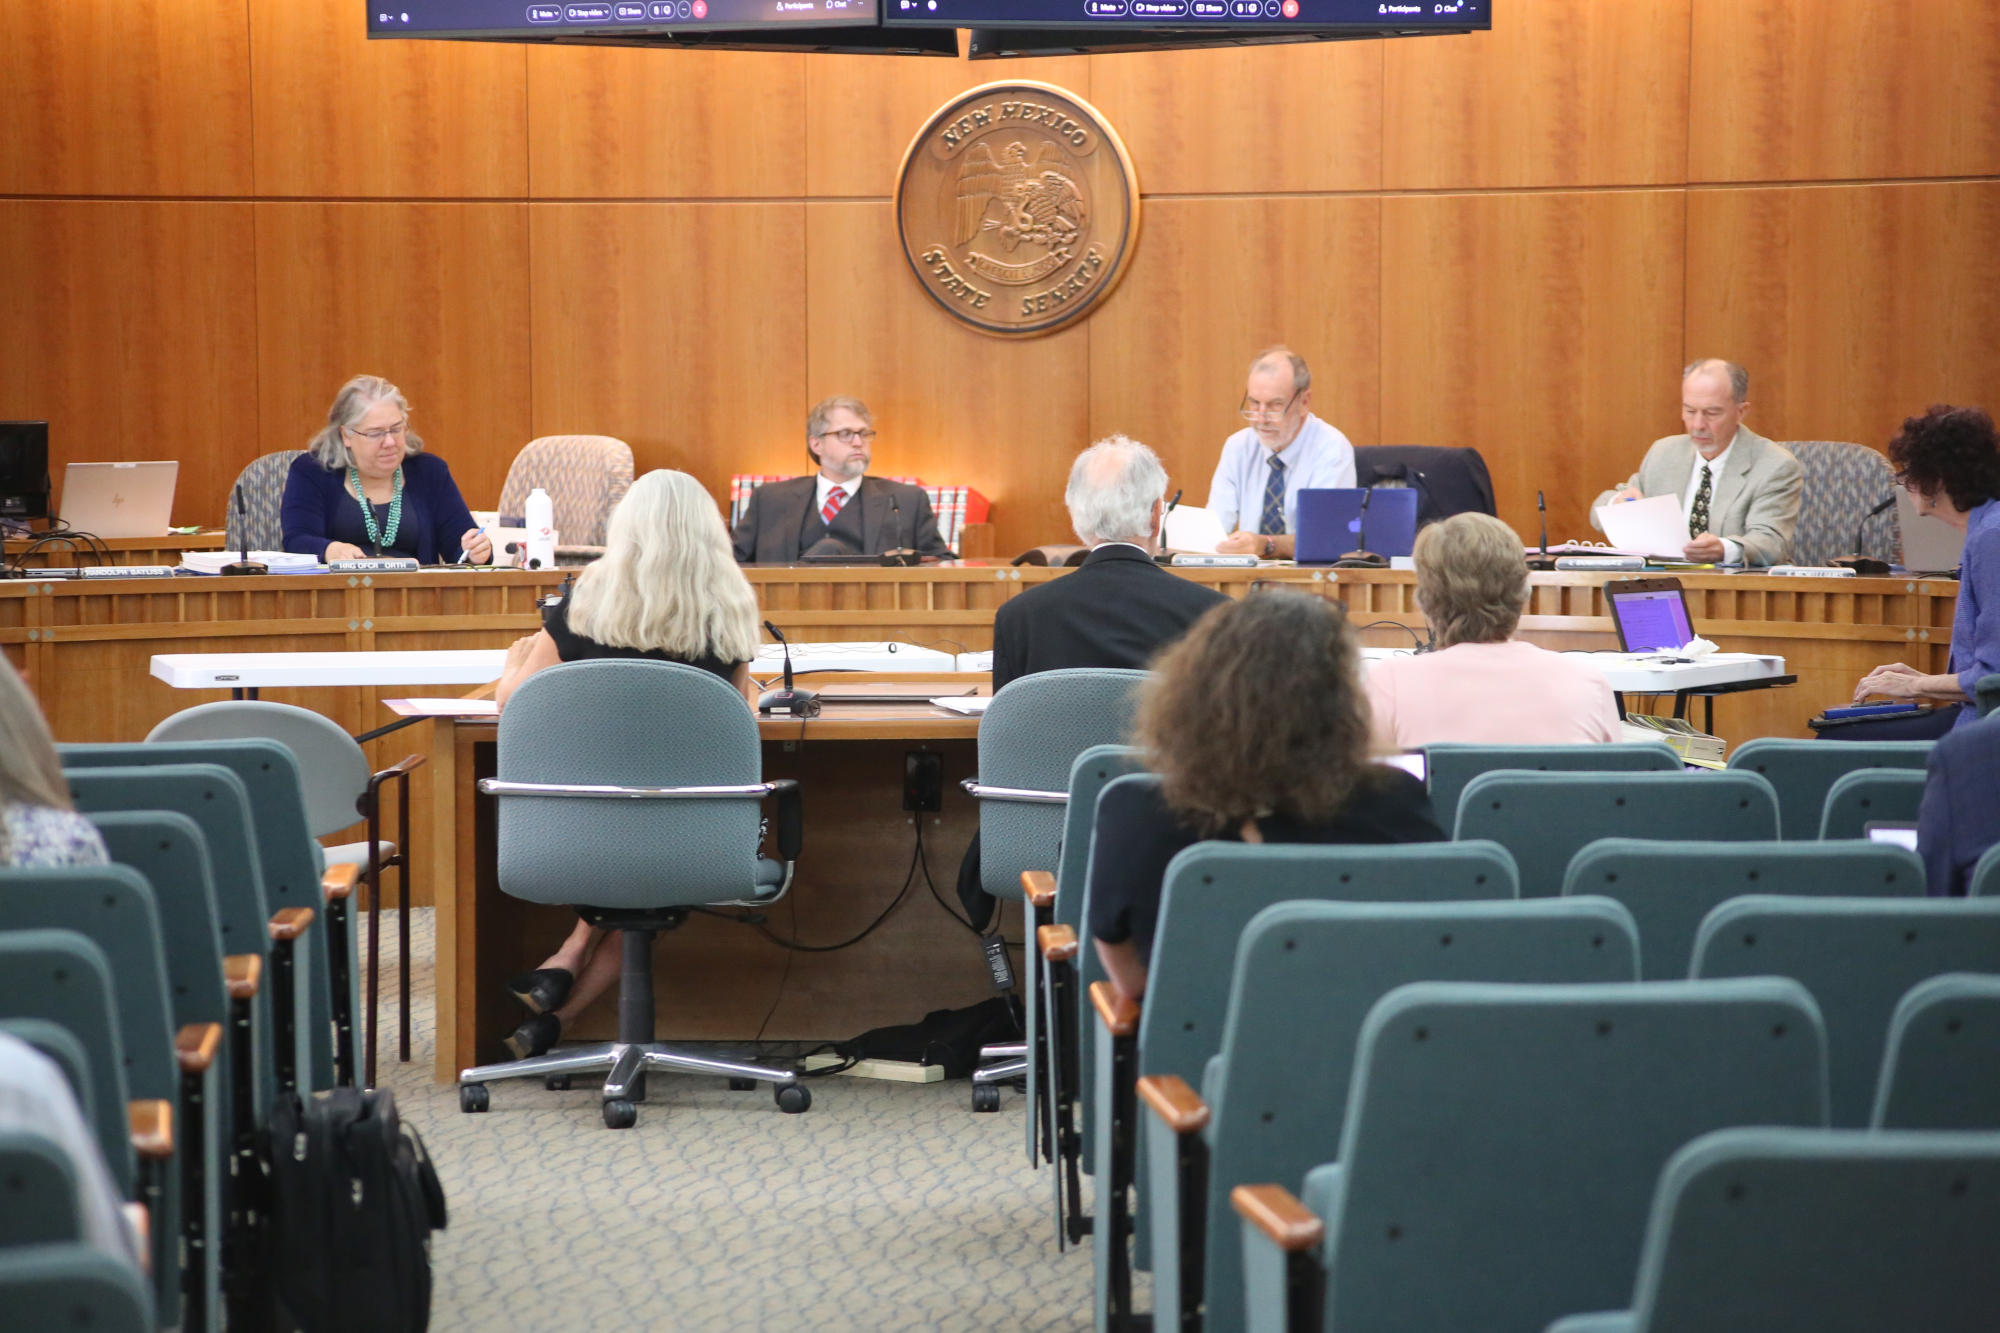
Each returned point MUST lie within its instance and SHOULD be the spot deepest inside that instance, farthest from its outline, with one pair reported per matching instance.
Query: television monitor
(24, 469)
(762, 25)
(1007, 28)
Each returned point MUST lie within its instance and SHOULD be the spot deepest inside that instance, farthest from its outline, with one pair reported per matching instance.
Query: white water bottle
(541, 524)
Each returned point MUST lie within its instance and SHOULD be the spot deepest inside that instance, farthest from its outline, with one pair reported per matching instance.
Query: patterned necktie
(1698, 512)
(1271, 523)
(835, 498)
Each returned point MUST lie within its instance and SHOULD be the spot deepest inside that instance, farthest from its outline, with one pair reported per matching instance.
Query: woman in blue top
(365, 487)
(1949, 459)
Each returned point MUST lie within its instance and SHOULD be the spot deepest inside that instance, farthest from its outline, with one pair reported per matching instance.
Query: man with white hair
(1285, 449)
(1119, 606)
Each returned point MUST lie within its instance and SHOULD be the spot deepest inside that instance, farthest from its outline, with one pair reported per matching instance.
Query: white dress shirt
(1318, 457)
(1732, 551)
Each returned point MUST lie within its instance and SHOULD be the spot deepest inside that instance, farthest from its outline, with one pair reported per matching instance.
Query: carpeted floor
(886, 1206)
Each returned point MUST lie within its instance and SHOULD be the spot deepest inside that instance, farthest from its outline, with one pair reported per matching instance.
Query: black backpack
(353, 1200)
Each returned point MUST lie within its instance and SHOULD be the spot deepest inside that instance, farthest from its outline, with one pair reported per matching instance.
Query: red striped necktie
(835, 498)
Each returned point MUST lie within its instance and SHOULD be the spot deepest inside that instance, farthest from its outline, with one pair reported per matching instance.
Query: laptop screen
(1651, 619)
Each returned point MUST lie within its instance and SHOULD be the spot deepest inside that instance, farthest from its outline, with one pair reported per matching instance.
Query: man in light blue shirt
(1284, 449)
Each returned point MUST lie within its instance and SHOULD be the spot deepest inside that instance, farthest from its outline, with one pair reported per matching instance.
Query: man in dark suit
(1960, 815)
(840, 510)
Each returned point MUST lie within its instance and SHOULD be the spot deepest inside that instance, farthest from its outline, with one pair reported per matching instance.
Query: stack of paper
(211, 562)
(1695, 747)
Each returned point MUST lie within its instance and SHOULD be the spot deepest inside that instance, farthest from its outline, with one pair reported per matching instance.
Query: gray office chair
(1818, 1231)
(1450, 766)
(1942, 1068)
(632, 790)
(1842, 483)
(1870, 795)
(1028, 739)
(262, 488)
(1671, 886)
(1803, 771)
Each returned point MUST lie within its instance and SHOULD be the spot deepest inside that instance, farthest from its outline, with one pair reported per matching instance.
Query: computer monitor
(1651, 615)
(1007, 28)
(24, 469)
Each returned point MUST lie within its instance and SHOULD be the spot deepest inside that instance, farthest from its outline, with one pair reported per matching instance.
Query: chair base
(625, 1066)
(986, 1080)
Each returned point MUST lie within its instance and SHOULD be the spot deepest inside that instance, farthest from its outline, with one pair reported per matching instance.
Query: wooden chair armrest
(1178, 1106)
(243, 973)
(1273, 1210)
(152, 1124)
(338, 882)
(401, 768)
(288, 923)
(1057, 943)
(141, 1223)
(1120, 1016)
(195, 1046)
(1038, 887)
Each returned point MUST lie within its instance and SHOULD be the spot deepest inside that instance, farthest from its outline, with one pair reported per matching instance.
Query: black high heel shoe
(542, 990)
(535, 1037)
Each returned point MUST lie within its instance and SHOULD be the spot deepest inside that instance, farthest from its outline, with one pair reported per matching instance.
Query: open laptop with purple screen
(1651, 614)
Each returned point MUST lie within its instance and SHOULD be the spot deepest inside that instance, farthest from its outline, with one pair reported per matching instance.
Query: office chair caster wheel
(986, 1096)
(742, 1085)
(473, 1098)
(793, 1098)
(620, 1115)
(556, 1082)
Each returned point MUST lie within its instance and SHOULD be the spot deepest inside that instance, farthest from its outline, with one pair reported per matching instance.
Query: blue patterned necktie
(1271, 523)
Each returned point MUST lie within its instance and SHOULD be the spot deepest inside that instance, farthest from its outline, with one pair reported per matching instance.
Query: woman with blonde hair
(1256, 724)
(1482, 684)
(39, 825)
(666, 589)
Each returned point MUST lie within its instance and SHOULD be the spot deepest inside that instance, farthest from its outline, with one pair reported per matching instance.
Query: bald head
(1115, 488)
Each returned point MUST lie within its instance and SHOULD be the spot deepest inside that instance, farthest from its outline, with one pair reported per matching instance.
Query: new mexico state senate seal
(1018, 208)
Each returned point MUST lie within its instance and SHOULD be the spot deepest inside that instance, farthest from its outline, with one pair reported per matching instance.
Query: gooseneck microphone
(243, 564)
(900, 554)
(1865, 565)
(794, 702)
(1543, 560)
(1361, 557)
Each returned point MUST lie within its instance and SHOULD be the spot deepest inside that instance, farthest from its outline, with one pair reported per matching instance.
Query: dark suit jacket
(1960, 816)
(1115, 610)
(892, 515)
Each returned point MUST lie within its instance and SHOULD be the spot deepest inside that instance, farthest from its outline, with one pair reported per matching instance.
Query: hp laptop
(1651, 615)
(119, 499)
(1330, 522)
(1930, 545)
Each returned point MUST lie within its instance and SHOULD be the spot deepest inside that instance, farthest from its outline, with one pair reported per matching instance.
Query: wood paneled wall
(213, 212)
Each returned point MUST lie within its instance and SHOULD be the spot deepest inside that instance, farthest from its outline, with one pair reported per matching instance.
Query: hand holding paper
(1654, 526)
(1192, 529)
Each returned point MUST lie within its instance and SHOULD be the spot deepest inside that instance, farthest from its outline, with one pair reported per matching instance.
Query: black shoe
(542, 990)
(535, 1037)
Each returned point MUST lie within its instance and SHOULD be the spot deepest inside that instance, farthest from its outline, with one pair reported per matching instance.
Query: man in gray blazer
(1740, 491)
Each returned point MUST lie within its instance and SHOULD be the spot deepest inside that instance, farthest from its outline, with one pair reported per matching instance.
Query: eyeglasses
(848, 435)
(1250, 411)
(400, 428)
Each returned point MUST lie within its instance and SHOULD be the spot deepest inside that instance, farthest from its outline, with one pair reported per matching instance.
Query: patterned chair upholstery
(585, 476)
(1843, 482)
(262, 486)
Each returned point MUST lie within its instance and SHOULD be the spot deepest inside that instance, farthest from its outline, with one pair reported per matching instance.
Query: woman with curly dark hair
(1257, 726)
(1949, 460)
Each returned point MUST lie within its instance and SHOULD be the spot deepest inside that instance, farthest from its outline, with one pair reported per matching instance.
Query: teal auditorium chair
(1818, 1231)
(61, 977)
(1029, 738)
(1544, 819)
(1671, 886)
(1985, 879)
(1869, 795)
(1986, 694)
(1502, 1144)
(38, 1182)
(72, 1286)
(1273, 1100)
(1858, 957)
(113, 907)
(1804, 771)
(1055, 1038)
(1450, 767)
(1942, 1067)
(1210, 892)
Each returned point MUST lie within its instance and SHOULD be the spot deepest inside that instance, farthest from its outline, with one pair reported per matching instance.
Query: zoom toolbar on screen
(1189, 13)
(413, 17)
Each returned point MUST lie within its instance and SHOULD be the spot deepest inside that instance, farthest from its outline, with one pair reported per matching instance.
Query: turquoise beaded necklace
(387, 536)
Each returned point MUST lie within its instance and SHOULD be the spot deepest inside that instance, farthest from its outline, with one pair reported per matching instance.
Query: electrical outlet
(923, 781)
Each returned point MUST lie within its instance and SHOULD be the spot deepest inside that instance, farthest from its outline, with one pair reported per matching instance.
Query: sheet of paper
(1192, 529)
(970, 704)
(1652, 526)
(443, 707)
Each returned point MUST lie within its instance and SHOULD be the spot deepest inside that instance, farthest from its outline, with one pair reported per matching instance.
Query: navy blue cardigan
(319, 507)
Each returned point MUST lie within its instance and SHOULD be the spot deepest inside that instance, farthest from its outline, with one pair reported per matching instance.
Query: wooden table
(68, 554)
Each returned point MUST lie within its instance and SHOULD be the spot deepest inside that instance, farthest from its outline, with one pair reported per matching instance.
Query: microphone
(1544, 560)
(898, 555)
(243, 564)
(1865, 565)
(1361, 557)
(797, 703)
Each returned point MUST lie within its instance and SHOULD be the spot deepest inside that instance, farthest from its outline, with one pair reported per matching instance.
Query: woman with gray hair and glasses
(365, 487)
